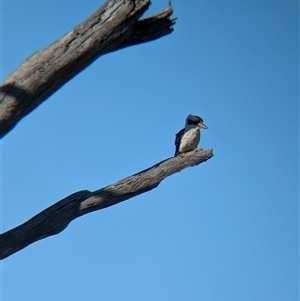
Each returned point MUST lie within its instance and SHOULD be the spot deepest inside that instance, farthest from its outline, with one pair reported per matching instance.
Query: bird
(188, 138)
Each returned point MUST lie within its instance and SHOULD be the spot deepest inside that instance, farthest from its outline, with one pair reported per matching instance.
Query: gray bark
(114, 26)
(56, 218)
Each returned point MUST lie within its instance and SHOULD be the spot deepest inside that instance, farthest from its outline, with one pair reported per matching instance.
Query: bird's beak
(203, 126)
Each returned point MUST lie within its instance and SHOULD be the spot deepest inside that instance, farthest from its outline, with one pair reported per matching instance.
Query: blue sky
(225, 230)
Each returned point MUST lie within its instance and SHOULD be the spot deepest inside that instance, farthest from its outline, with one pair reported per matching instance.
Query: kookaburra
(188, 138)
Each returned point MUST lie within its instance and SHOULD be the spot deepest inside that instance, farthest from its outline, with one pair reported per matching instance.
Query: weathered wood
(114, 26)
(56, 218)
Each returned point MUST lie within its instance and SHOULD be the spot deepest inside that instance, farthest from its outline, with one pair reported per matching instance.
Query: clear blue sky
(225, 230)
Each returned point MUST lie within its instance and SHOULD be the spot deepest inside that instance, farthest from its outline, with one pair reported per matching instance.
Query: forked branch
(114, 26)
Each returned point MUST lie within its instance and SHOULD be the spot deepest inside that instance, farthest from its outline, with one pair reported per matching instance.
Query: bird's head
(195, 120)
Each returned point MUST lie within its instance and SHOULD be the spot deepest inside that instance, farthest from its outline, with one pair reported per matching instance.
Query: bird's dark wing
(177, 141)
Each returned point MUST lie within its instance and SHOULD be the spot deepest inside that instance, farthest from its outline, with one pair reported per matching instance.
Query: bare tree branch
(56, 218)
(114, 26)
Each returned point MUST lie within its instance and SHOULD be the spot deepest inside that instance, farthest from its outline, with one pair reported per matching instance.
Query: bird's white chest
(189, 140)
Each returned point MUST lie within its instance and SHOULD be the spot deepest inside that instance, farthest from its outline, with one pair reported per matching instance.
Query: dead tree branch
(114, 26)
(56, 218)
